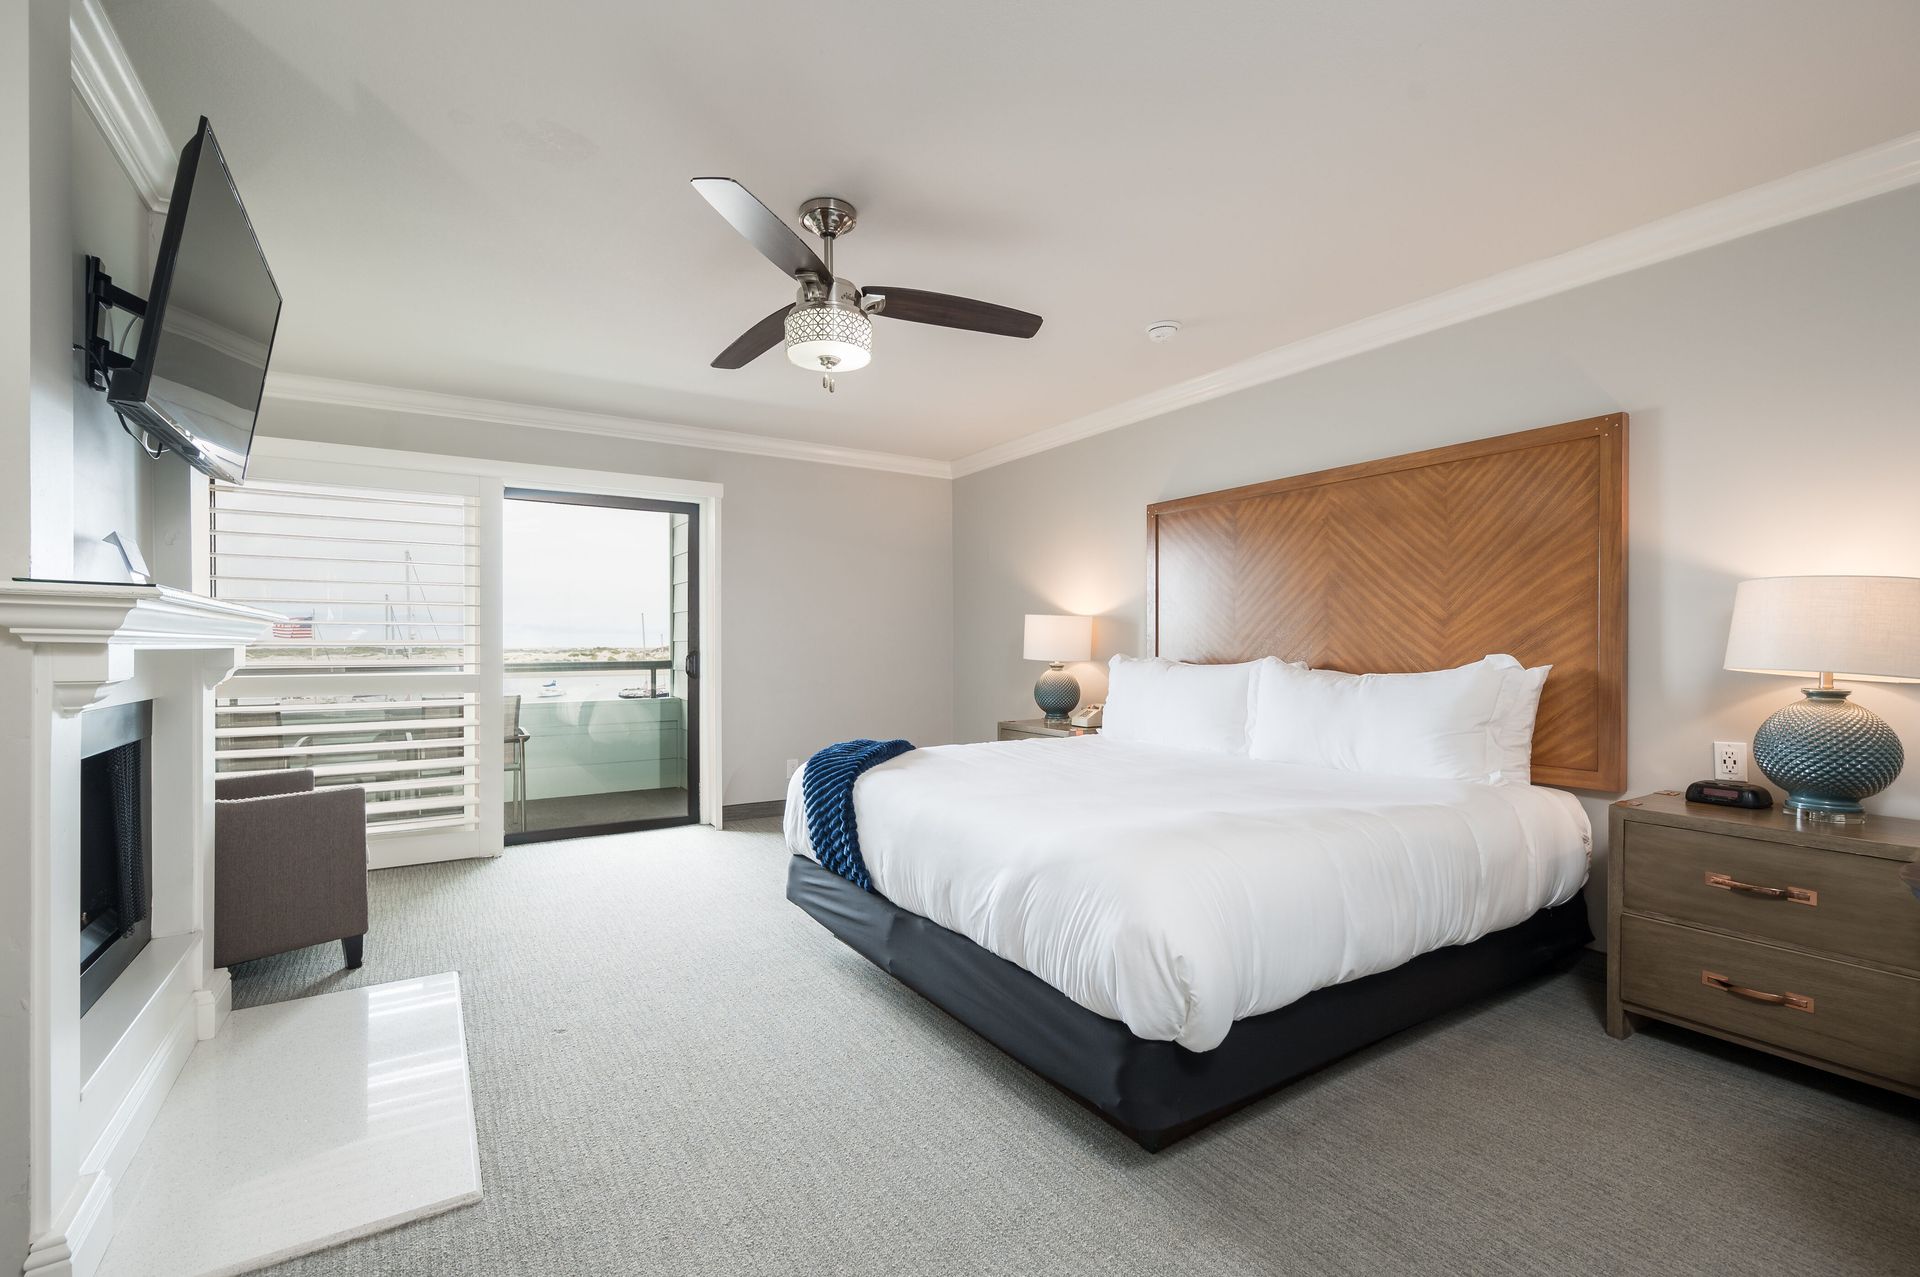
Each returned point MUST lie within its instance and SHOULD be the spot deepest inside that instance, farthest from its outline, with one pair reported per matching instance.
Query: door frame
(696, 794)
(316, 461)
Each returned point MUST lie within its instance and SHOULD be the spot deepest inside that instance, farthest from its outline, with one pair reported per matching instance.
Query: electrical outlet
(1729, 760)
(793, 765)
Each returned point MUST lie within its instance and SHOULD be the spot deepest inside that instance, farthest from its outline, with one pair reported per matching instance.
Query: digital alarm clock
(1730, 793)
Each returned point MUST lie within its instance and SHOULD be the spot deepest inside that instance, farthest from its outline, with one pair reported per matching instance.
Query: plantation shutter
(372, 680)
(369, 580)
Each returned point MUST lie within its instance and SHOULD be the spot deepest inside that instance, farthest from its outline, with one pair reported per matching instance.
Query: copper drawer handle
(1792, 895)
(1793, 1001)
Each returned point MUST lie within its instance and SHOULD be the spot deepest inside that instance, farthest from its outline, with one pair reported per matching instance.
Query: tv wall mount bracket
(100, 293)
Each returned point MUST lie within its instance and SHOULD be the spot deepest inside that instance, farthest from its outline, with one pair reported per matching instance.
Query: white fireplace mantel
(96, 1080)
(92, 631)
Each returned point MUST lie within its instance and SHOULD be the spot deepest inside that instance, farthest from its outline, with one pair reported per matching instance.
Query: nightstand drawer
(1849, 905)
(1835, 1011)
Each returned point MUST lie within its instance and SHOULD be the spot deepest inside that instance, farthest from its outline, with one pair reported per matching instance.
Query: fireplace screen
(116, 860)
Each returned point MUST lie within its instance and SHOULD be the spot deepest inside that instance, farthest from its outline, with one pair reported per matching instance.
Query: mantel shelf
(136, 616)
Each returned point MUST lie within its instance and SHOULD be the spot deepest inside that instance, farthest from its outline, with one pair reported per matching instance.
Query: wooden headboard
(1423, 562)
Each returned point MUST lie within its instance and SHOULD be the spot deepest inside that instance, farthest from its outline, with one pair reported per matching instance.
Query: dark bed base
(1159, 1092)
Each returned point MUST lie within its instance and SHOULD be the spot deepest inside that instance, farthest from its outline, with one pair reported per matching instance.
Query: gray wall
(112, 478)
(47, 458)
(36, 491)
(836, 587)
(1774, 390)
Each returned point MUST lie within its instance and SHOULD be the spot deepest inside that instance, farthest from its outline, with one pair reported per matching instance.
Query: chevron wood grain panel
(1196, 568)
(1511, 544)
(1283, 544)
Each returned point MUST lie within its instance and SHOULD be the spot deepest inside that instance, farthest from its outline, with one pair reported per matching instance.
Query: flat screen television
(211, 311)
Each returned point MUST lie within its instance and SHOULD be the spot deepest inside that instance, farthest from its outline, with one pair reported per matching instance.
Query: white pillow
(1160, 702)
(1474, 723)
(1513, 719)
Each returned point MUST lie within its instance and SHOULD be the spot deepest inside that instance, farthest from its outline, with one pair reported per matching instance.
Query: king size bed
(1171, 920)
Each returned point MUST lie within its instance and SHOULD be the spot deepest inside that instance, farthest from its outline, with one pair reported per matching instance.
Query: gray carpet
(675, 1071)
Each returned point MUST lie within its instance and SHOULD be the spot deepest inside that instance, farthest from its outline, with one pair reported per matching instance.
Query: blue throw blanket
(827, 790)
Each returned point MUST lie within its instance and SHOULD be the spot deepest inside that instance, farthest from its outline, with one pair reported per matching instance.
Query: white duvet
(1178, 892)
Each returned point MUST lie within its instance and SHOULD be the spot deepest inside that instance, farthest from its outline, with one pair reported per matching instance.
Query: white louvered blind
(371, 680)
(369, 579)
(414, 755)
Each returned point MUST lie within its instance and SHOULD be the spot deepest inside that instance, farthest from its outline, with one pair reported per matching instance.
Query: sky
(578, 576)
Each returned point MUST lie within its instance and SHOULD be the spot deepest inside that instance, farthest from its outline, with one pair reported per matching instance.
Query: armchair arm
(290, 870)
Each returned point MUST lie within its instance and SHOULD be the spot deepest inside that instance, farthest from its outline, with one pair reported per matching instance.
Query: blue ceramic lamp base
(1828, 754)
(1056, 694)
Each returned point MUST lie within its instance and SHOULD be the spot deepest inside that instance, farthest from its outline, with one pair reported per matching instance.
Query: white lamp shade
(830, 338)
(1855, 627)
(1059, 638)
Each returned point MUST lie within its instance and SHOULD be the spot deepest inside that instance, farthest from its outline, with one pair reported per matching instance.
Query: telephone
(1087, 716)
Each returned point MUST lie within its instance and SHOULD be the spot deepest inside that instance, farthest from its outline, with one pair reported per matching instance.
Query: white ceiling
(489, 197)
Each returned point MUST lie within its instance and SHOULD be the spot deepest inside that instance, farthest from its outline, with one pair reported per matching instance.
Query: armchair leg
(351, 946)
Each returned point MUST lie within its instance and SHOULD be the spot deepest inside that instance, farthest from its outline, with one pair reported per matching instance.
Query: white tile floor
(302, 1124)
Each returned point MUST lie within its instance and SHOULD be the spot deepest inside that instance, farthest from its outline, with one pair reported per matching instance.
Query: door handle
(692, 665)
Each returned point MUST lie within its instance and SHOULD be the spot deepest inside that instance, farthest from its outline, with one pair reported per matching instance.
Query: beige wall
(835, 583)
(1774, 390)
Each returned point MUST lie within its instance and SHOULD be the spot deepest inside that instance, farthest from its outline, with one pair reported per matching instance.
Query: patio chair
(517, 763)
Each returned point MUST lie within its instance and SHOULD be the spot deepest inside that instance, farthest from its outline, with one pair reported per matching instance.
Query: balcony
(597, 610)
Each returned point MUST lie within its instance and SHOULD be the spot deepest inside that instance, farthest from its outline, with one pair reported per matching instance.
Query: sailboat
(403, 633)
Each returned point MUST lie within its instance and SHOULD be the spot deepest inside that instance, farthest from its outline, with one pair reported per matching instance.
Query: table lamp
(1057, 640)
(1827, 753)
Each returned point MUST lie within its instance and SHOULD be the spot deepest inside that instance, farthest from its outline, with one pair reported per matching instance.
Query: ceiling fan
(828, 327)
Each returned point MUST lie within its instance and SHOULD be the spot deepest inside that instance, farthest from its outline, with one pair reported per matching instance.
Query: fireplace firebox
(116, 843)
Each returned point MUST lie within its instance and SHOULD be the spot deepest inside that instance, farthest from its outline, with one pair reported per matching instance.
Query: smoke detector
(1162, 330)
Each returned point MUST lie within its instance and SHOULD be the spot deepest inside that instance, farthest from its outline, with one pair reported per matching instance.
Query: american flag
(299, 627)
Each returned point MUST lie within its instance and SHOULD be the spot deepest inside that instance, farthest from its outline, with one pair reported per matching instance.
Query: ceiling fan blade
(776, 240)
(919, 307)
(755, 342)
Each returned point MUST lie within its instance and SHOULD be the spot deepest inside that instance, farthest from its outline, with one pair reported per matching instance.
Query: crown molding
(104, 78)
(1851, 178)
(426, 403)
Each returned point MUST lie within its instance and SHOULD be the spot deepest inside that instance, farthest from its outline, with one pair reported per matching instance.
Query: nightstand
(1034, 728)
(1798, 939)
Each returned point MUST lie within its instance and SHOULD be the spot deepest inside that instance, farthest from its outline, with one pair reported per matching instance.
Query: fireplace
(116, 843)
(76, 658)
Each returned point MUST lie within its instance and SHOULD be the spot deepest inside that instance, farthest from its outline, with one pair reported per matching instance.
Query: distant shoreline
(584, 655)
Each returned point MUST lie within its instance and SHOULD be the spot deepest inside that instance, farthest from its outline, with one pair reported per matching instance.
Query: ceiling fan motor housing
(834, 292)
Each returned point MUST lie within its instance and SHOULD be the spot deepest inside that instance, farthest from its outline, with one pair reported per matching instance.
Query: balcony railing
(654, 670)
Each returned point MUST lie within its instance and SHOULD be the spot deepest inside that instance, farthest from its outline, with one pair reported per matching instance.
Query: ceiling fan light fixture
(829, 327)
(829, 337)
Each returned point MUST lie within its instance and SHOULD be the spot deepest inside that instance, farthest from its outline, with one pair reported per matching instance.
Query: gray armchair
(290, 865)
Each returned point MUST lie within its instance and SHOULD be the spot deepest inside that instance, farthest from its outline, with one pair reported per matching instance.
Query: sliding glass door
(600, 619)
